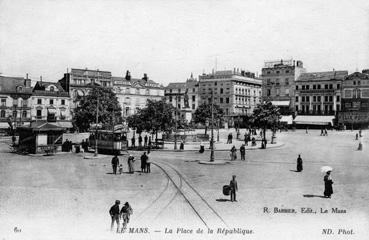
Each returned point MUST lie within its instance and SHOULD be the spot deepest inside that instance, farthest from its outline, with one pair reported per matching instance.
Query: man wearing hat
(114, 213)
(126, 213)
(234, 188)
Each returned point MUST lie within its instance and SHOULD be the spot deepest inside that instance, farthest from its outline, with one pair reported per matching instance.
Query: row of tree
(102, 103)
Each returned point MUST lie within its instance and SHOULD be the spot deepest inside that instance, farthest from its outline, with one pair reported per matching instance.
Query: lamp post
(218, 129)
(212, 129)
(175, 121)
(97, 120)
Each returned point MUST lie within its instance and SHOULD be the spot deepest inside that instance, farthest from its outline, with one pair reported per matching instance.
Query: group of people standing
(233, 152)
(146, 140)
(117, 214)
(145, 164)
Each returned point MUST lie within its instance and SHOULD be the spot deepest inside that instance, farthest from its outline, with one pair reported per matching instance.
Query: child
(120, 168)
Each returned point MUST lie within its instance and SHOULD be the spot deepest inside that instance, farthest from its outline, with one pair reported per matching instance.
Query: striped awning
(314, 120)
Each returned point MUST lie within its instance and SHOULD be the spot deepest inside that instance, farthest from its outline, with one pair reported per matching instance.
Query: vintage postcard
(207, 119)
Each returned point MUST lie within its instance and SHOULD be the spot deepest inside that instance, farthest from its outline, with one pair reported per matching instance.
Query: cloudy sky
(169, 39)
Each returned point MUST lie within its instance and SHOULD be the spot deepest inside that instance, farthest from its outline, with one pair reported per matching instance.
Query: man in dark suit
(234, 188)
(115, 163)
(114, 213)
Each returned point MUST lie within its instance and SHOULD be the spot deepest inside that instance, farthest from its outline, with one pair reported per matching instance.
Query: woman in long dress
(328, 189)
(131, 167)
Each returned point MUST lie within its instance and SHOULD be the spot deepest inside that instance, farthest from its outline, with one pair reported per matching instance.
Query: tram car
(108, 141)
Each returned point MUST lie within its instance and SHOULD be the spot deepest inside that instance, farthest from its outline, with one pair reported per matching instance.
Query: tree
(203, 114)
(264, 115)
(156, 116)
(103, 99)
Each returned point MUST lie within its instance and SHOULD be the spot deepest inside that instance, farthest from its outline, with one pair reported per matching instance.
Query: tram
(108, 141)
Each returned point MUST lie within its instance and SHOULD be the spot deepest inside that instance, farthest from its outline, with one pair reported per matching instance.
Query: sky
(170, 39)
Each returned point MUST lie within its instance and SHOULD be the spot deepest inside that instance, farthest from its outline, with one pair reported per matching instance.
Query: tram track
(202, 209)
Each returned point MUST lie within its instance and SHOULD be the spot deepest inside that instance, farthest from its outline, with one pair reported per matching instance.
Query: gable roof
(135, 81)
(10, 84)
(41, 85)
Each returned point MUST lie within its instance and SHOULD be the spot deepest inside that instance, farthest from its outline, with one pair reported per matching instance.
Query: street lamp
(212, 128)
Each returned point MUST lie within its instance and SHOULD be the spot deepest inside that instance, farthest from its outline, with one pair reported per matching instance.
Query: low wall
(186, 138)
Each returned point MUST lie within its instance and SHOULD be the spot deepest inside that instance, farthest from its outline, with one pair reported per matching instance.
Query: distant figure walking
(131, 161)
(202, 148)
(181, 145)
(133, 142)
(126, 213)
(148, 163)
(114, 214)
(143, 162)
(115, 163)
(234, 188)
(328, 189)
(233, 153)
(230, 137)
(140, 140)
(325, 132)
(307, 128)
(299, 164)
(243, 152)
(145, 141)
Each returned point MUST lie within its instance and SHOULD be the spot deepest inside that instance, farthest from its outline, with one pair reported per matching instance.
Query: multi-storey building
(184, 96)
(319, 93)
(355, 100)
(236, 92)
(15, 105)
(78, 82)
(132, 93)
(52, 103)
(278, 82)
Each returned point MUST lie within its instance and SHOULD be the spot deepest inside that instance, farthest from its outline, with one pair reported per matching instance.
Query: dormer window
(19, 89)
(52, 89)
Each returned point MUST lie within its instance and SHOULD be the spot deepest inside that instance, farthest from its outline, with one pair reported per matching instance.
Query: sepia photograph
(184, 119)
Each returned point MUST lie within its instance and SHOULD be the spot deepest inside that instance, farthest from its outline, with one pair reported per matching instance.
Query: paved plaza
(68, 197)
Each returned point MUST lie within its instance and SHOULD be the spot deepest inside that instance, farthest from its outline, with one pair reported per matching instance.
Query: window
(63, 102)
(268, 81)
(297, 87)
(338, 86)
(297, 108)
(2, 114)
(51, 101)
(221, 100)
(193, 98)
(303, 87)
(303, 99)
(326, 86)
(307, 99)
(314, 98)
(319, 99)
(330, 86)
(170, 98)
(193, 90)
(331, 98)
(193, 106)
(277, 81)
(307, 87)
(39, 101)
(15, 114)
(277, 72)
(318, 86)
(24, 114)
(52, 89)
(325, 98)
(297, 99)
(227, 100)
(286, 81)
(277, 91)
(268, 92)
(348, 93)
(314, 86)
(3, 102)
(365, 93)
(338, 98)
(15, 102)
(38, 113)
(287, 71)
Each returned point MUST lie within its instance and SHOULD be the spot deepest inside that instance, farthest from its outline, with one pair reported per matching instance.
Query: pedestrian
(120, 168)
(115, 163)
(150, 141)
(148, 163)
(233, 153)
(234, 188)
(299, 164)
(143, 162)
(360, 133)
(131, 160)
(307, 130)
(181, 145)
(140, 140)
(133, 141)
(321, 132)
(325, 132)
(253, 141)
(243, 151)
(202, 147)
(328, 189)
(145, 141)
(357, 136)
(238, 134)
(246, 139)
(114, 214)
(125, 213)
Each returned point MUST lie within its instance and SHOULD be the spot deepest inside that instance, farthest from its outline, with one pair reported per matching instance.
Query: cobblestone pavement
(66, 196)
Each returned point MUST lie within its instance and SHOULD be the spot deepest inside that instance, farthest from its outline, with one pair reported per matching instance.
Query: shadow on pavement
(312, 195)
(294, 171)
(223, 200)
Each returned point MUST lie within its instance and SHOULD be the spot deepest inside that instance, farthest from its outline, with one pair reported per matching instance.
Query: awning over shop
(65, 124)
(286, 119)
(314, 120)
(281, 103)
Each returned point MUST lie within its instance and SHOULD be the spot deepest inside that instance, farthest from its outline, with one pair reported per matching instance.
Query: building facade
(355, 100)
(52, 103)
(184, 96)
(78, 82)
(15, 101)
(236, 92)
(133, 93)
(278, 80)
(319, 93)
